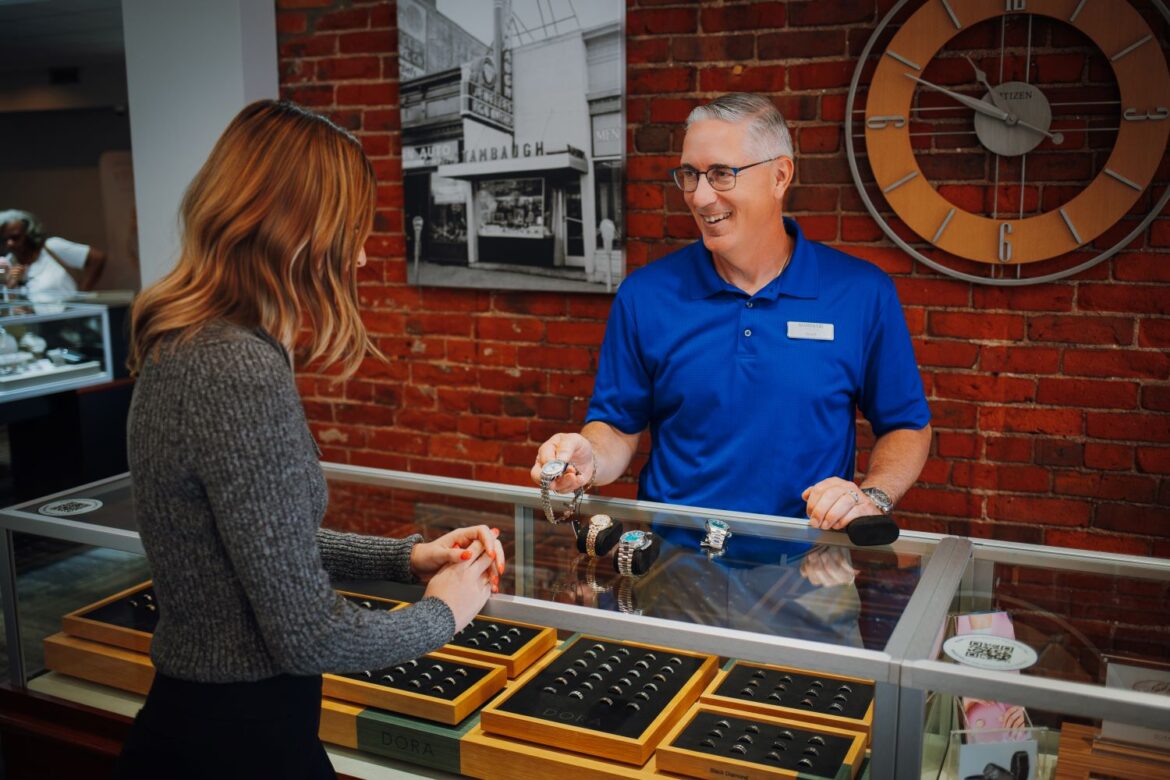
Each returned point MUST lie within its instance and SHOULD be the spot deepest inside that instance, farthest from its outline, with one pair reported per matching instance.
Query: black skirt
(212, 730)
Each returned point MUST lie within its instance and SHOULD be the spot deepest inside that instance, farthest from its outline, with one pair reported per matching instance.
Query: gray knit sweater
(229, 497)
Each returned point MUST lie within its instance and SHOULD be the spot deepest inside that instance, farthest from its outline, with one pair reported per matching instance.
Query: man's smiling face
(734, 220)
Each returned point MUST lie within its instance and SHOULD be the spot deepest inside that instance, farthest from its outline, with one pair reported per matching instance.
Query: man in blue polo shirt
(748, 354)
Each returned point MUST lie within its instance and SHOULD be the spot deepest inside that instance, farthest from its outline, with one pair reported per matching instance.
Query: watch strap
(591, 539)
(625, 559)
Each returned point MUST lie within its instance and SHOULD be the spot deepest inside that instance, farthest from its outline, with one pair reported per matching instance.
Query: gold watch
(597, 524)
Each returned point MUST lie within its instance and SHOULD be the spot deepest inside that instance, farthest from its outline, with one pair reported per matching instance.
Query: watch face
(1013, 142)
(635, 539)
(601, 521)
(553, 469)
(718, 525)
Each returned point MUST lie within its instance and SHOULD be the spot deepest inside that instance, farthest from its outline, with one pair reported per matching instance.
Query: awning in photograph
(545, 163)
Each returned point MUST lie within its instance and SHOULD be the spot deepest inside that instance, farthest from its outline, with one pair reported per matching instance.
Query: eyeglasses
(720, 177)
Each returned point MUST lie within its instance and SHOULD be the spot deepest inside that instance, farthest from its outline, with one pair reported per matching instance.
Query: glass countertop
(776, 577)
(106, 504)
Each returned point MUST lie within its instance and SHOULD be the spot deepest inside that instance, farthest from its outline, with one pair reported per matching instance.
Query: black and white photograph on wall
(513, 137)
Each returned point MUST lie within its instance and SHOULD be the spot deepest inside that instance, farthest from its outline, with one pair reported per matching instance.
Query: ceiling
(59, 33)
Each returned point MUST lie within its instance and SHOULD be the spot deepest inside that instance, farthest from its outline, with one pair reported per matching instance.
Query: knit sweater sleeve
(362, 557)
(253, 454)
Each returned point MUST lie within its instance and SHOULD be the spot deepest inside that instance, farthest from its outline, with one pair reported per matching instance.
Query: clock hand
(981, 77)
(1009, 119)
(973, 103)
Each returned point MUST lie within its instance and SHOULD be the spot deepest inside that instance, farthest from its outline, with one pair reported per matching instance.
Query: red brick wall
(1050, 401)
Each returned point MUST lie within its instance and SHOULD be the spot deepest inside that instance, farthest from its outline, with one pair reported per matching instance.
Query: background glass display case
(1094, 665)
(48, 347)
(778, 593)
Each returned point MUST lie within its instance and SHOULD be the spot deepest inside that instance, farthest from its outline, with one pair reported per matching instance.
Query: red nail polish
(466, 555)
(495, 532)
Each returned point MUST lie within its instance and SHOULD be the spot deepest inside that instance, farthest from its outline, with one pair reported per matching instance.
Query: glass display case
(773, 593)
(1061, 654)
(48, 347)
(777, 593)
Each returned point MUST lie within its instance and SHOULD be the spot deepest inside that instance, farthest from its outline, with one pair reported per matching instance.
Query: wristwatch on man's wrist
(881, 500)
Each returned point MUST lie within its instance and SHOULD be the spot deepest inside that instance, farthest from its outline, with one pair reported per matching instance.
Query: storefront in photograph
(513, 158)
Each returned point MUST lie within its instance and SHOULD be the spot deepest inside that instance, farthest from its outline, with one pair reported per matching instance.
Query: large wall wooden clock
(1013, 141)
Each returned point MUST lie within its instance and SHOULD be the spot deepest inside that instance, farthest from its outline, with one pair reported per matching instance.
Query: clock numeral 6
(882, 122)
(1005, 246)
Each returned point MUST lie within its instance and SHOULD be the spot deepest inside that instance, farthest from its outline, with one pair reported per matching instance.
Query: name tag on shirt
(817, 331)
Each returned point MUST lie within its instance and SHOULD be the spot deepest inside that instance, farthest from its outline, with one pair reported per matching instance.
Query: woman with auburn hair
(228, 489)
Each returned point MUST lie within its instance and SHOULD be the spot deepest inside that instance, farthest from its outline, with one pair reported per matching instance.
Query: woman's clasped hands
(462, 568)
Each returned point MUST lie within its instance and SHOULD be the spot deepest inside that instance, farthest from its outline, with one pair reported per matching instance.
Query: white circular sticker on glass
(988, 651)
(67, 507)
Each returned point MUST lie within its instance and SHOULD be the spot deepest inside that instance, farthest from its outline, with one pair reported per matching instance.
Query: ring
(856, 498)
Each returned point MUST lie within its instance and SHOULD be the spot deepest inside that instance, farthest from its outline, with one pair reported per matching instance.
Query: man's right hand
(572, 448)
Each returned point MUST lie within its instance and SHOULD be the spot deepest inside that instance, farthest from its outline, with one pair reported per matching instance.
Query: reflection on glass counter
(761, 583)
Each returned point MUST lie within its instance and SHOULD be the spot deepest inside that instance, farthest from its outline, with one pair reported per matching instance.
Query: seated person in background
(38, 263)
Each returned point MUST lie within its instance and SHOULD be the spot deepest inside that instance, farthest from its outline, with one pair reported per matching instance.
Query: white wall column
(190, 67)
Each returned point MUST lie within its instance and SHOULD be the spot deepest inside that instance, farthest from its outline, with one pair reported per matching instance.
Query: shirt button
(748, 333)
(749, 304)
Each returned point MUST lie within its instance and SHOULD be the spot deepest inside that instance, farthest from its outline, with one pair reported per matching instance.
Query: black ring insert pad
(606, 707)
(800, 750)
(787, 688)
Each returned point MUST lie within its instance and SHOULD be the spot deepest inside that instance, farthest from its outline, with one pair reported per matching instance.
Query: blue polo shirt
(751, 399)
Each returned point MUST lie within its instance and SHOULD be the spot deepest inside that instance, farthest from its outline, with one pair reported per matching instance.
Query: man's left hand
(834, 503)
(824, 566)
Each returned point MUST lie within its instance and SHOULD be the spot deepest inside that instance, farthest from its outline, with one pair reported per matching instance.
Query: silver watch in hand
(549, 473)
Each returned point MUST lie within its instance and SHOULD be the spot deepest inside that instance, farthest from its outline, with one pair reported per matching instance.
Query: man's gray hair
(767, 132)
(32, 225)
